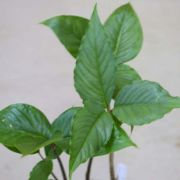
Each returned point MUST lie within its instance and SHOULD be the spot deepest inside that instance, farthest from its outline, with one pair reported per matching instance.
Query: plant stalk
(53, 146)
(88, 172)
(111, 166)
(53, 175)
(61, 167)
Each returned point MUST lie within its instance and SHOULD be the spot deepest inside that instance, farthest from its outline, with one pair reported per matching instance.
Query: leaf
(14, 149)
(125, 33)
(95, 66)
(42, 170)
(69, 30)
(122, 27)
(124, 75)
(143, 102)
(55, 149)
(119, 140)
(90, 132)
(25, 128)
(52, 151)
(62, 124)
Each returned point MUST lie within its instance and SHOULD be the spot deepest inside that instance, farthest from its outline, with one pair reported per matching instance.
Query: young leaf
(63, 125)
(53, 150)
(124, 75)
(125, 33)
(42, 170)
(63, 122)
(25, 128)
(94, 73)
(69, 30)
(90, 132)
(119, 140)
(143, 102)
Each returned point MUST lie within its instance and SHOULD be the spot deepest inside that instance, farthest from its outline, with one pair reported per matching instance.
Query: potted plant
(112, 93)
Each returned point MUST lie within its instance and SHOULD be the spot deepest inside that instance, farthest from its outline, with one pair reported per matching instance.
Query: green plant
(113, 93)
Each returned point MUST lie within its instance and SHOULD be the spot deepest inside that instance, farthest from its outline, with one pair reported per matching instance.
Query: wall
(36, 69)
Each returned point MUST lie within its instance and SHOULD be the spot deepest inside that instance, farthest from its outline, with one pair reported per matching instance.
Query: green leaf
(62, 124)
(59, 146)
(125, 33)
(119, 140)
(143, 102)
(53, 150)
(124, 75)
(14, 149)
(94, 73)
(122, 27)
(42, 170)
(69, 30)
(90, 132)
(25, 128)
(29, 144)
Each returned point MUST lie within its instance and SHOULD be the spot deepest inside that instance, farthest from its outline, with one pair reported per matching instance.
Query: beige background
(36, 69)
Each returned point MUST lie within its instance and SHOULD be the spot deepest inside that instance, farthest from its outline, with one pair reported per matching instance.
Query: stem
(53, 175)
(111, 155)
(111, 166)
(61, 166)
(41, 155)
(89, 169)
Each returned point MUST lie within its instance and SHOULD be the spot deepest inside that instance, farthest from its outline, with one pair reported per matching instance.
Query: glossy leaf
(143, 102)
(25, 128)
(42, 170)
(63, 122)
(124, 75)
(125, 33)
(94, 73)
(119, 140)
(90, 132)
(69, 30)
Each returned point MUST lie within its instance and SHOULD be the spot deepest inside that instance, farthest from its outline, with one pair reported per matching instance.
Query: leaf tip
(44, 22)
(134, 145)
(95, 12)
(128, 5)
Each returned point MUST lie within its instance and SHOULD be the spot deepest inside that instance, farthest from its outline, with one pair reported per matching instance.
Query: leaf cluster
(112, 92)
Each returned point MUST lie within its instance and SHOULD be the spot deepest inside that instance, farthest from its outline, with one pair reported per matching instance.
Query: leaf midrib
(100, 82)
(140, 104)
(98, 118)
(119, 36)
(31, 124)
(25, 133)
